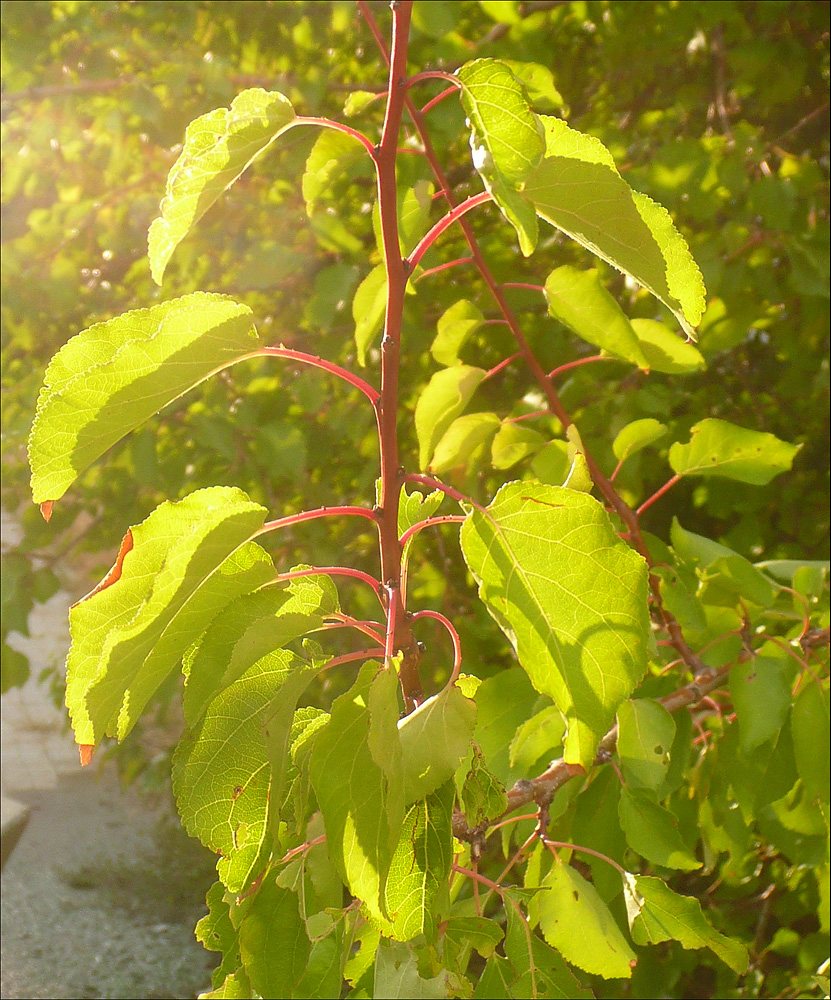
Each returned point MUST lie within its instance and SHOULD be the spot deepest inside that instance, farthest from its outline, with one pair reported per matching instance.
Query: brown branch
(542, 789)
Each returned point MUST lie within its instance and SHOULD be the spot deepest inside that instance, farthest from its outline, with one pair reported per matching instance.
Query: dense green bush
(688, 100)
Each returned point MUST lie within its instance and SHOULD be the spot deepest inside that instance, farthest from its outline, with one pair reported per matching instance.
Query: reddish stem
(579, 362)
(417, 477)
(444, 223)
(501, 365)
(434, 74)
(523, 284)
(454, 638)
(369, 391)
(439, 97)
(338, 127)
(331, 571)
(398, 633)
(528, 416)
(428, 523)
(657, 495)
(361, 626)
(443, 267)
(310, 515)
(359, 654)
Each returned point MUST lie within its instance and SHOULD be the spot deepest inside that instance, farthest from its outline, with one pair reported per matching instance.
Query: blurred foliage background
(717, 110)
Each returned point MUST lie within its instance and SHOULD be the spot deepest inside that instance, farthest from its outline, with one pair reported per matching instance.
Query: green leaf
(678, 594)
(369, 307)
(664, 350)
(578, 189)
(334, 154)
(503, 703)
(461, 439)
(421, 865)
(108, 379)
(455, 326)
(249, 628)
(234, 987)
(478, 933)
(273, 941)
(179, 568)
(761, 697)
(579, 478)
(570, 596)
(506, 140)
(719, 448)
(512, 443)
(552, 463)
(218, 147)
(538, 81)
(216, 933)
(443, 399)
(810, 729)
(358, 101)
(646, 731)
(356, 772)
(434, 738)
(596, 825)
(580, 301)
(539, 970)
(416, 507)
(483, 794)
(414, 204)
(658, 914)
(637, 435)
(652, 832)
(221, 774)
(576, 921)
(397, 976)
(538, 736)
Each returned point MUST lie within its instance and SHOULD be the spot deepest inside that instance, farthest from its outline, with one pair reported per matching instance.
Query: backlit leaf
(506, 140)
(512, 443)
(397, 976)
(637, 435)
(249, 628)
(578, 189)
(218, 147)
(368, 310)
(658, 914)
(580, 301)
(652, 831)
(646, 731)
(539, 970)
(188, 561)
(461, 439)
(434, 738)
(810, 729)
(443, 399)
(273, 941)
(576, 921)
(665, 351)
(719, 448)
(421, 865)
(761, 697)
(454, 327)
(108, 379)
(570, 596)
(356, 771)
(482, 794)
(221, 774)
(539, 736)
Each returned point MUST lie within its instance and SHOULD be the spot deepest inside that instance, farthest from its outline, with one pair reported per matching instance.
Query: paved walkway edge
(13, 819)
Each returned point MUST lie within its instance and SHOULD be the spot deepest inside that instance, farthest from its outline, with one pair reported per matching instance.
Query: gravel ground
(100, 898)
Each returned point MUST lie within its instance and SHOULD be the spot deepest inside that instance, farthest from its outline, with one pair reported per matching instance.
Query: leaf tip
(85, 751)
(46, 509)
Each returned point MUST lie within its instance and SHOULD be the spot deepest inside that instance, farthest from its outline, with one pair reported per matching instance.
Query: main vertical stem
(399, 634)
